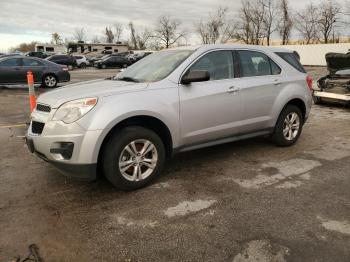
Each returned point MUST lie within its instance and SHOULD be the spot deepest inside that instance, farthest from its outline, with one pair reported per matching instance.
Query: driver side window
(219, 64)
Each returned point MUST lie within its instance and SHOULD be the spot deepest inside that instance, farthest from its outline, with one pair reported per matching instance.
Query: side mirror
(195, 76)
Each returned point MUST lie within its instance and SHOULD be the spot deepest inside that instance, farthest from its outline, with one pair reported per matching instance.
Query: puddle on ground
(263, 251)
(284, 170)
(188, 207)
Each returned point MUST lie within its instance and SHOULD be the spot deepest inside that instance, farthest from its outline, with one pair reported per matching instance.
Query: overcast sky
(35, 20)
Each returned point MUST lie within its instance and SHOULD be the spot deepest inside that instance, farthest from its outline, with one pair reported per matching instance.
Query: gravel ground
(243, 201)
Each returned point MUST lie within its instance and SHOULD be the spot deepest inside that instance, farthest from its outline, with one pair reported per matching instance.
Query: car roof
(232, 46)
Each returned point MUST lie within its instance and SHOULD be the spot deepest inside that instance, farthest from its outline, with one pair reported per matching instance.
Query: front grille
(37, 127)
(43, 108)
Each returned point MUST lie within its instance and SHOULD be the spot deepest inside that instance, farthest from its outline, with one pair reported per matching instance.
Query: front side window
(219, 64)
(11, 62)
(155, 67)
(31, 62)
(256, 64)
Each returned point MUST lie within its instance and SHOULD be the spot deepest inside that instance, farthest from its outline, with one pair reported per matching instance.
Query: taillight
(309, 81)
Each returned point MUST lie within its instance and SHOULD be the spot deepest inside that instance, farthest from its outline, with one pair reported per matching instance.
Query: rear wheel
(82, 65)
(49, 81)
(133, 157)
(289, 126)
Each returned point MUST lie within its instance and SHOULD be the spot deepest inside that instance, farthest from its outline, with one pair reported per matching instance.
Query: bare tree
(142, 38)
(133, 41)
(286, 23)
(95, 39)
(118, 30)
(24, 47)
(109, 35)
(306, 23)
(56, 38)
(251, 28)
(216, 28)
(329, 18)
(269, 22)
(168, 31)
(139, 37)
(79, 34)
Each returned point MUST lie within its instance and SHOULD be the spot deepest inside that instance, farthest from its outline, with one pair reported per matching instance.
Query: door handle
(277, 82)
(233, 89)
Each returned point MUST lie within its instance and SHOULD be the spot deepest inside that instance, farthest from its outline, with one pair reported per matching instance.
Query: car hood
(95, 88)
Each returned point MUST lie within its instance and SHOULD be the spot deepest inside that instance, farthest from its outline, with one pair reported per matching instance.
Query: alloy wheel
(138, 160)
(291, 126)
(50, 81)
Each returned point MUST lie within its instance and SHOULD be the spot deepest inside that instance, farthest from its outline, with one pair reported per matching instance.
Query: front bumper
(83, 172)
(68, 147)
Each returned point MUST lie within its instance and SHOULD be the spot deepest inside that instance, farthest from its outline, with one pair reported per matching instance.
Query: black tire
(103, 66)
(83, 65)
(46, 83)
(114, 148)
(317, 100)
(278, 136)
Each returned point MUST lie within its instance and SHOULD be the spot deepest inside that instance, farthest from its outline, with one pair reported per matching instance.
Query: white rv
(94, 49)
(50, 49)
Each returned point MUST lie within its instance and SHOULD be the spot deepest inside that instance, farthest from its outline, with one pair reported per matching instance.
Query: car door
(212, 109)
(33, 65)
(10, 70)
(260, 82)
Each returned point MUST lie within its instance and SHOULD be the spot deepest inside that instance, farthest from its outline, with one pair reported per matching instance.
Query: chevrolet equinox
(171, 101)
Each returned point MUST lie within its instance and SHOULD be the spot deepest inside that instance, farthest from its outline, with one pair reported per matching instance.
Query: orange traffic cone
(32, 98)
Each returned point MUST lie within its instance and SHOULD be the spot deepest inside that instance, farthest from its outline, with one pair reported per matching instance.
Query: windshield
(154, 67)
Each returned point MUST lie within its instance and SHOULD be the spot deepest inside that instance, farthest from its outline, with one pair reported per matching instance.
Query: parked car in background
(113, 62)
(138, 56)
(13, 70)
(171, 101)
(37, 54)
(67, 60)
(82, 61)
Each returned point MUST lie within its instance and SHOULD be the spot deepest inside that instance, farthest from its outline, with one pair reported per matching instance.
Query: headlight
(72, 111)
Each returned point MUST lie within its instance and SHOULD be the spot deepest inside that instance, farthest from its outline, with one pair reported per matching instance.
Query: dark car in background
(13, 70)
(37, 54)
(67, 60)
(113, 62)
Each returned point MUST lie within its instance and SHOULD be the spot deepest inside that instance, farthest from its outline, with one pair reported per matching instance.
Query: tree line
(255, 22)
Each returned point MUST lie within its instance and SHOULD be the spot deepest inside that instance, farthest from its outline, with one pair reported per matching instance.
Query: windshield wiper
(127, 79)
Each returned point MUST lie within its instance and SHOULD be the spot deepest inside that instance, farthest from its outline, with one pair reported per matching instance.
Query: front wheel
(133, 157)
(288, 127)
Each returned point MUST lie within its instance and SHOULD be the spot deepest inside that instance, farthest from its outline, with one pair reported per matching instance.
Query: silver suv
(171, 101)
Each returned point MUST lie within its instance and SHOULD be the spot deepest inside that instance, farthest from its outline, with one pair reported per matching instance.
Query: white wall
(315, 54)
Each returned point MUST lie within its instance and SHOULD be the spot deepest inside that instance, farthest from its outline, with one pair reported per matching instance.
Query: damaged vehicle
(336, 85)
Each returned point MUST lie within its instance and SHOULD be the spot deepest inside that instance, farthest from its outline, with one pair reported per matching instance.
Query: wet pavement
(243, 201)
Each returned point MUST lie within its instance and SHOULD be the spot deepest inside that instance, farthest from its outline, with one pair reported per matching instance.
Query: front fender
(112, 110)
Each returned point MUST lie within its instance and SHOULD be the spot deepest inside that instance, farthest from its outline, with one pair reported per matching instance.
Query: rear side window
(292, 59)
(257, 64)
(219, 64)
